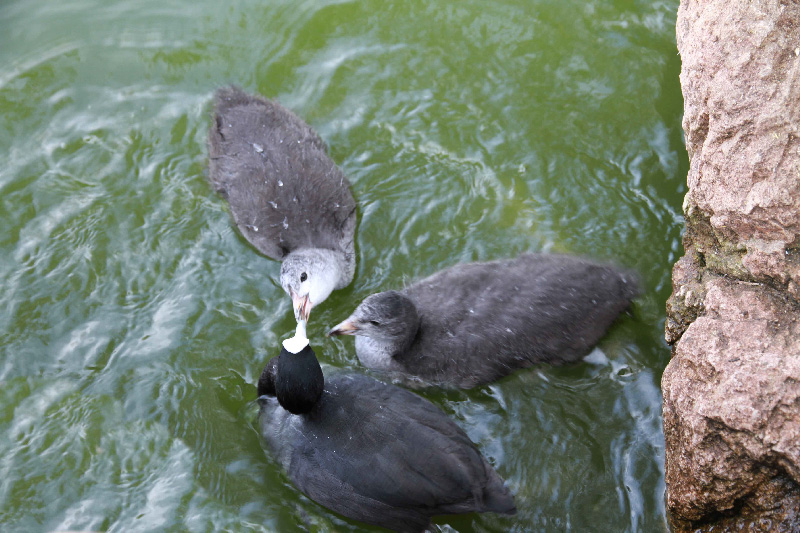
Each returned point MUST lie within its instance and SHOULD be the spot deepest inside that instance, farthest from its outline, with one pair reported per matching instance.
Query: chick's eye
(303, 277)
(374, 322)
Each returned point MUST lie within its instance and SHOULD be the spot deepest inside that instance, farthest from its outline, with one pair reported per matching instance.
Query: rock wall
(732, 388)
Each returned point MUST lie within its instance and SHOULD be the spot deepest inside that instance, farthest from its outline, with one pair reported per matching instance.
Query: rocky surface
(741, 81)
(732, 388)
(732, 400)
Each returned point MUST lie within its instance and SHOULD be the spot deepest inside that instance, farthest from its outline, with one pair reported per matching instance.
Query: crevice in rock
(771, 507)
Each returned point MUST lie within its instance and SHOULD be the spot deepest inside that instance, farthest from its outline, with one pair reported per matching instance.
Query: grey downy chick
(474, 323)
(286, 195)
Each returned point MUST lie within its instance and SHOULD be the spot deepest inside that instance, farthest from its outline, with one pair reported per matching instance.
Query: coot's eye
(303, 277)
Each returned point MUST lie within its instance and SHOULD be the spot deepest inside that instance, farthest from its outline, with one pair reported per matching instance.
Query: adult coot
(474, 323)
(286, 195)
(371, 451)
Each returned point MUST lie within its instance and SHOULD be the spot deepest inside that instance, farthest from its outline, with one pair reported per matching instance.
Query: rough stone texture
(732, 388)
(732, 401)
(741, 84)
(688, 293)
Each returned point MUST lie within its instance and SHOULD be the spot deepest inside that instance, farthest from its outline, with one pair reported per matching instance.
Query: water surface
(135, 319)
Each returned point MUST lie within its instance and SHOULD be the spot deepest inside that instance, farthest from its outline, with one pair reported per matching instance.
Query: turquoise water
(136, 320)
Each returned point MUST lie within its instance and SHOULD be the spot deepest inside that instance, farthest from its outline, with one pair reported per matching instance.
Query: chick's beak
(345, 328)
(302, 306)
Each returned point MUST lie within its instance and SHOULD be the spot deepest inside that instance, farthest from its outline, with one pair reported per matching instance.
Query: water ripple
(138, 319)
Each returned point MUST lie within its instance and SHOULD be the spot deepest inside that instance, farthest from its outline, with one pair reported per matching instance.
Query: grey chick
(474, 323)
(286, 195)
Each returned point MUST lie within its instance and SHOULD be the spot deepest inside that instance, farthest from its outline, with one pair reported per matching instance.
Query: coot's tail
(230, 97)
(631, 284)
(497, 498)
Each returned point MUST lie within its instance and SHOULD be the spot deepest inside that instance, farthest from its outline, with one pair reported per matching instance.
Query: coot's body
(286, 195)
(380, 454)
(474, 323)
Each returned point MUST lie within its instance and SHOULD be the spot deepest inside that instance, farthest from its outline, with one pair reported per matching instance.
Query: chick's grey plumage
(383, 455)
(285, 193)
(478, 322)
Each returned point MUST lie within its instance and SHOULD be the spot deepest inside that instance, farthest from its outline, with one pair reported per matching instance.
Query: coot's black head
(297, 380)
(387, 316)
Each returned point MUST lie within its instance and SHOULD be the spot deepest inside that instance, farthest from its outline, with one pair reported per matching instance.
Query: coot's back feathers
(284, 191)
(500, 316)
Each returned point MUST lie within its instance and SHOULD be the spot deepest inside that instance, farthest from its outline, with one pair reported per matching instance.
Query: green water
(135, 320)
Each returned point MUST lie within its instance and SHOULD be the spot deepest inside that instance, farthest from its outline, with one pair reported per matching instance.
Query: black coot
(371, 451)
